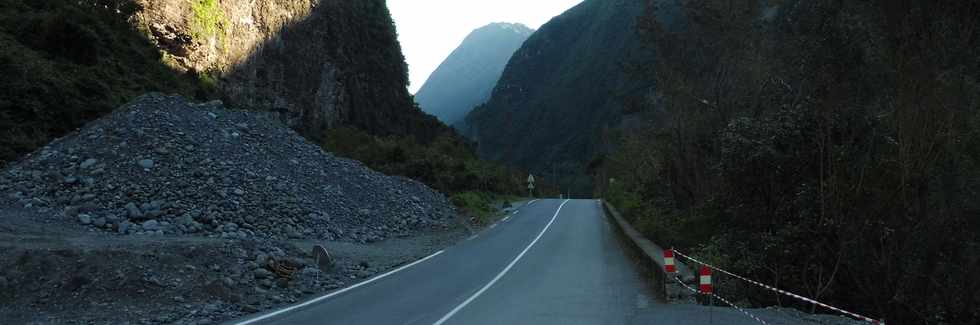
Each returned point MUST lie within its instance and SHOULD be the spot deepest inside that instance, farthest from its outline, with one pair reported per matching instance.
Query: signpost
(323, 260)
(530, 185)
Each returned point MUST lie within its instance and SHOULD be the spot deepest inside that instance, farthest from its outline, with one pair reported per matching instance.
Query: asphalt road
(553, 262)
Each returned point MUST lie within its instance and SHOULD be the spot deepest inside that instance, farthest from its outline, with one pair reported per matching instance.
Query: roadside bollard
(705, 280)
(705, 284)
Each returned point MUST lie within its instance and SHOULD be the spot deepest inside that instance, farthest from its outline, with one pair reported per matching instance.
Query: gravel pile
(161, 165)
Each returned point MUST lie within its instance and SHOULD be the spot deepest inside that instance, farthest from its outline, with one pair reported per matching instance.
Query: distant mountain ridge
(467, 77)
(560, 90)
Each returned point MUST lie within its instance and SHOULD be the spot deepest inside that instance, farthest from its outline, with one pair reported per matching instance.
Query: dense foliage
(829, 147)
(66, 62)
(208, 19)
(69, 62)
(446, 164)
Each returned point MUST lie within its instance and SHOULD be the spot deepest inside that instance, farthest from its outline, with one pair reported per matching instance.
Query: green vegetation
(832, 151)
(67, 62)
(209, 20)
(446, 164)
(207, 82)
(478, 204)
(559, 92)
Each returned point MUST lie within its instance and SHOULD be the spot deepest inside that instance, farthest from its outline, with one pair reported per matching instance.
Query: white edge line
(503, 272)
(505, 219)
(327, 296)
(473, 237)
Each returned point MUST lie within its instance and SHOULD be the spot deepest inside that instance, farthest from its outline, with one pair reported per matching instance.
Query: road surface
(551, 262)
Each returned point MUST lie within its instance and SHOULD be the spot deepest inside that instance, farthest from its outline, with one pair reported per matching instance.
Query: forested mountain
(559, 91)
(320, 63)
(467, 77)
(828, 147)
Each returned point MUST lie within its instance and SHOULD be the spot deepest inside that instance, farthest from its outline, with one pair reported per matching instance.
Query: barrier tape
(743, 311)
(787, 293)
(686, 286)
(739, 309)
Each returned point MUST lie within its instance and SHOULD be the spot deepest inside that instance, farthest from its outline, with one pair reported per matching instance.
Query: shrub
(208, 20)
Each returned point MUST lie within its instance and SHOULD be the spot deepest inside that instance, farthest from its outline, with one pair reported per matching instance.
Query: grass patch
(480, 205)
(209, 19)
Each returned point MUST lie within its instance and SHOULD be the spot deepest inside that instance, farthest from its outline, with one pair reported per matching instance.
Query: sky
(429, 30)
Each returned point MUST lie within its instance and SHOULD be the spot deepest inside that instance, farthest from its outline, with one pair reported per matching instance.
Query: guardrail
(650, 254)
(666, 268)
(707, 269)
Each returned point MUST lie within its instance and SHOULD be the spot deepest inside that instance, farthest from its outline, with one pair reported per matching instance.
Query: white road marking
(493, 225)
(327, 296)
(473, 237)
(502, 273)
(505, 219)
(515, 212)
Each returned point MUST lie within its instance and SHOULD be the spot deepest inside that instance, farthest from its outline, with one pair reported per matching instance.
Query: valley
(563, 162)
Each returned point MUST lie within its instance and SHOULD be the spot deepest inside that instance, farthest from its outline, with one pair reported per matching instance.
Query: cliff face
(467, 77)
(323, 63)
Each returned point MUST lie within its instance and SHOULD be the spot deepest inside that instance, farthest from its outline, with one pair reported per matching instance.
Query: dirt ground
(57, 273)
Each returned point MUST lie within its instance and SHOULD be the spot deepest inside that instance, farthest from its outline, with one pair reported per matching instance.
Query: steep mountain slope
(322, 63)
(466, 78)
(815, 138)
(559, 91)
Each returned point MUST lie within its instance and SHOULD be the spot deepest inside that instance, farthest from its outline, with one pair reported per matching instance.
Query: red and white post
(705, 280)
(669, 261)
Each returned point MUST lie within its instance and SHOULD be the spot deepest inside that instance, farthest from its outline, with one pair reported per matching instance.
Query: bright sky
(431, 29)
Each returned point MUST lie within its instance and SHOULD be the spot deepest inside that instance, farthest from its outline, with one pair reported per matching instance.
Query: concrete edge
(650, 253)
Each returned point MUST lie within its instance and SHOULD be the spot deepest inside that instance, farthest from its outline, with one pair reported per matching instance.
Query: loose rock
(134, 212)
(147, 163)
(269, 182)
(88, 163)
(124, 227)
(151, 225)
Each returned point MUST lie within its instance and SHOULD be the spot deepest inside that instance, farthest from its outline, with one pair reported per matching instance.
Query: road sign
(322, 258)
(530, 182)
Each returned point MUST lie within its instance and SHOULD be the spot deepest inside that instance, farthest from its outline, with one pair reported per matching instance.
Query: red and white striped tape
(743, 311)
(787, 293)
(685, 285)
(739, 309)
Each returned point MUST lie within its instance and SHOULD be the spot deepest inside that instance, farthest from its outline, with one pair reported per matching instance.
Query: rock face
(466, 78)
(214, 172)
(321, 62)
(560, 90)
